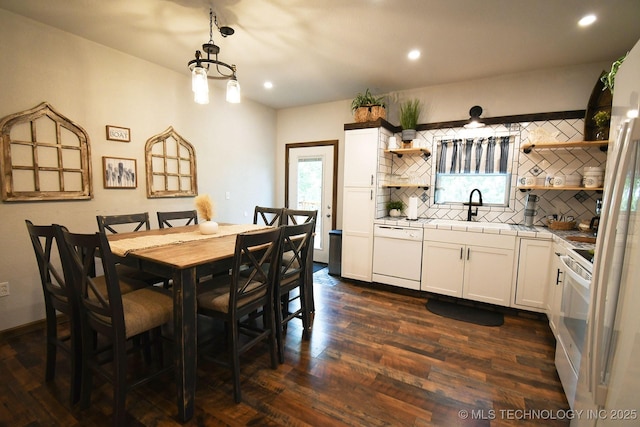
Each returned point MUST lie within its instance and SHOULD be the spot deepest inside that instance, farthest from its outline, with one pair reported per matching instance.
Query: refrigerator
(608, 389)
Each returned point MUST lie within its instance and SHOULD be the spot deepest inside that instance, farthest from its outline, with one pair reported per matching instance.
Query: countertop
(518, 230)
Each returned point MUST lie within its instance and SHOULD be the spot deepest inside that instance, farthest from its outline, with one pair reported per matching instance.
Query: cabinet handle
(468, 253)
(372, 179)
(461, 253)
(371, 197)
(558, 281)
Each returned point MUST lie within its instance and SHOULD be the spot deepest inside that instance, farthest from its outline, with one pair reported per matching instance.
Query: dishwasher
(397, 256)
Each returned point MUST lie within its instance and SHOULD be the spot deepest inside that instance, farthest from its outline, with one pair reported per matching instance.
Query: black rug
(465, 313)
(318, 266)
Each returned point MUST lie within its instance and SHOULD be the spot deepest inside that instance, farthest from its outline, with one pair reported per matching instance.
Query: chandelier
(200, 67)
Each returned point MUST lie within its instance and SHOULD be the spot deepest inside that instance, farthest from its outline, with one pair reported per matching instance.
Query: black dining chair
(291, 284)
(268, 216)
(165, 219)
(58, 297)
(113, 224)
(235, 298)
(300, 216)
(124, 321)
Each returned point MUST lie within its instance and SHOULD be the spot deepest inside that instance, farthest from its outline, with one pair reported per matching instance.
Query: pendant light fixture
(200, 68)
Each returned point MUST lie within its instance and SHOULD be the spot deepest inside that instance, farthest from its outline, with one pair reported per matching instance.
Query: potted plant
(367, 108)
(602, 119)
(409, 115)
(395, 207)
(609, 78)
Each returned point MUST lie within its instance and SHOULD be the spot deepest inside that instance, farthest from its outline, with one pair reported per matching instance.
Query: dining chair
(299, 216)
(125, 321)
(267, 216)
(291, 285)
(114, 224)
(165, 218)
(234, 298)
(58, 297)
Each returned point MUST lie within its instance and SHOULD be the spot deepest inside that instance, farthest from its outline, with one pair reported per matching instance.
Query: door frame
(333, 143)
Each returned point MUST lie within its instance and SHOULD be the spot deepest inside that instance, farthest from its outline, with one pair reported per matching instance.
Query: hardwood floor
(374, 358)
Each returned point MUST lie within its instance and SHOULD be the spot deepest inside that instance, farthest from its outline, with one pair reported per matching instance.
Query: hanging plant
(609, 78)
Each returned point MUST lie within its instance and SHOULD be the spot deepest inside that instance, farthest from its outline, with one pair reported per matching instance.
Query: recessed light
(587, 20)
(268, 85)
(414, 54)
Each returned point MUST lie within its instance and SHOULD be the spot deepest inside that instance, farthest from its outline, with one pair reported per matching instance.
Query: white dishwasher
(397, 256)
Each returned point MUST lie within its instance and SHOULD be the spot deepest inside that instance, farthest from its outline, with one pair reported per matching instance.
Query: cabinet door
(357, 233)
(360, 157)
(443, 268)
(533, 273)
(488, 274)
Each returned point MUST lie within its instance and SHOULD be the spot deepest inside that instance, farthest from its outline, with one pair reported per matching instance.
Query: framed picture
(116, 133)
(119, 172)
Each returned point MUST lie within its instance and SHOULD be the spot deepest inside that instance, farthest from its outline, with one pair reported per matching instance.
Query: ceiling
(318, 51)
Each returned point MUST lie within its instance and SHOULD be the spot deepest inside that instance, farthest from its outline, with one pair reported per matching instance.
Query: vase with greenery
(394, 207)
(366, 107)
(409, 115)
(602, 119)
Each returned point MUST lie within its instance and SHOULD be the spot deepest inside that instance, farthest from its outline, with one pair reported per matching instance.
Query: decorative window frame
(168, 168)
(38, 166)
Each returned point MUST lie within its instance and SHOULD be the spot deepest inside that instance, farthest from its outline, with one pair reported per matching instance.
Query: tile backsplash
(579, 204)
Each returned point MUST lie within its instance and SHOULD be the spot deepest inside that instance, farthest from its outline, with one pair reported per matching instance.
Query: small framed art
(116, 133)
(119, 172)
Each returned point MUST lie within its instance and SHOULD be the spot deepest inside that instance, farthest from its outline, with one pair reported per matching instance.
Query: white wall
(560, 89)
(95, 86)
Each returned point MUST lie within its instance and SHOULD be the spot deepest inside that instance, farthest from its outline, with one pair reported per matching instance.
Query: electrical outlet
(4, 289)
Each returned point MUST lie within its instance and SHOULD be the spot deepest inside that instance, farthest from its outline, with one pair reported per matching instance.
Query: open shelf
(399, 186)
(527, 147)
(410, 151)
(572, 188)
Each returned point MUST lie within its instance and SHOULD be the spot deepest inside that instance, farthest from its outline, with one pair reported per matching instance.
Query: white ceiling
(326, 50)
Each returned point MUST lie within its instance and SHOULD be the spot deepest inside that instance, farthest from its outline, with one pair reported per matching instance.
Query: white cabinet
(554, 287)
(476, 266)
(359, 201)
(533, 274)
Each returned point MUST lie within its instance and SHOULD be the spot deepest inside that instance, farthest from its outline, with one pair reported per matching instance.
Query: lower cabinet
(533, 274)
(475, 266)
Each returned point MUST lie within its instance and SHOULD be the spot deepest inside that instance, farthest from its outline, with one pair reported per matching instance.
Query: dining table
(181, 254)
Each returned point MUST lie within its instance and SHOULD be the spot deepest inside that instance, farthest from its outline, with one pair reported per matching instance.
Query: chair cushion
(215, 296)
(146, 309)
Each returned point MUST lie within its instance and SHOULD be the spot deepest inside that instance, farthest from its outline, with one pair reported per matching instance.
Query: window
(170, 166)
(45, 157)
(484, 163)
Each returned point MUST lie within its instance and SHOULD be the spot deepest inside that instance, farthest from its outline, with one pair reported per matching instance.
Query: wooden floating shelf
(398, 186)
(410, 151)
(543, 188)
(527, 147)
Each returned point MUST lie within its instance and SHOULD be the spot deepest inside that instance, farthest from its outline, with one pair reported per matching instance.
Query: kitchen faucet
(472, 203)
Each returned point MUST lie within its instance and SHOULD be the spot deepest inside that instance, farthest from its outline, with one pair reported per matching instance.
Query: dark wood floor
(375, 358)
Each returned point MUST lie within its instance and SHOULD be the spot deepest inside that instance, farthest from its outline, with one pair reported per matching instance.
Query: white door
(310, 185)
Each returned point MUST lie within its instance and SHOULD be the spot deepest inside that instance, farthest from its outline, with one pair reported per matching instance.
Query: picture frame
(118, 172)
(118, 133)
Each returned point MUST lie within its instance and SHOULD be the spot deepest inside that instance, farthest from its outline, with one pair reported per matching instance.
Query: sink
(455, 223)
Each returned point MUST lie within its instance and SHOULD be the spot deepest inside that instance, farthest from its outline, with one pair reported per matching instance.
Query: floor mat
(465, 313)
(318, 266)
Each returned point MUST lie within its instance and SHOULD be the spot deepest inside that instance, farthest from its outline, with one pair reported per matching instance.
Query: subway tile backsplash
(579, 204)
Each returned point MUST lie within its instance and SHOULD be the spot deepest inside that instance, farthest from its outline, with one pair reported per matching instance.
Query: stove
(586, 254)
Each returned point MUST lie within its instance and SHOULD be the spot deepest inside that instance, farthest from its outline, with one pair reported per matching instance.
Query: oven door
(572, 327)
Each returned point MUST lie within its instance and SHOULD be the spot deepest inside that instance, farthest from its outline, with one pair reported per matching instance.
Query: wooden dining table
(183, 262)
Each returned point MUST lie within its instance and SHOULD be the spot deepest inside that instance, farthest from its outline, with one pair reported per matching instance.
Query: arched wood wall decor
(170, 163)
(45, 156)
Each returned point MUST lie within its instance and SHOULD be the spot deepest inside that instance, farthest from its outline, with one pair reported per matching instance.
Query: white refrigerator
(608, 391)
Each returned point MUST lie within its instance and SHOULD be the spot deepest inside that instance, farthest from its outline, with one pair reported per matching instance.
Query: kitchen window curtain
(475, 155)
